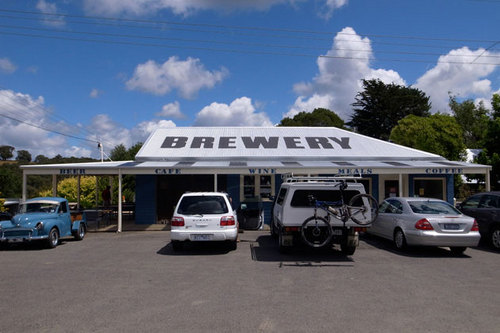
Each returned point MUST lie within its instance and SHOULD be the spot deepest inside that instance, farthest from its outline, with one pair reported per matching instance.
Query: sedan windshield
(433, 207)
(38, 207)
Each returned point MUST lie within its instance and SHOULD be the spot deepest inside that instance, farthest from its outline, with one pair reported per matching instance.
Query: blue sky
(74, 72)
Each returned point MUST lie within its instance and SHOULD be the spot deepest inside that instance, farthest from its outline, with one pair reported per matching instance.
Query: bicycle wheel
(316, 231)
(363, 209)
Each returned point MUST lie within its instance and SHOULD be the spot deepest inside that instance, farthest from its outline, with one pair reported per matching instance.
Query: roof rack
(295, 179)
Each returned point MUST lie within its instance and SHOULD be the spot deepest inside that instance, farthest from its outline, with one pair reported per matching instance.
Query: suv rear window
(300, 197)
(194, 204)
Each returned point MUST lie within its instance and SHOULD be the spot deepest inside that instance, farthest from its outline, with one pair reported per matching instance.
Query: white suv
(293, 207)
(204, 216)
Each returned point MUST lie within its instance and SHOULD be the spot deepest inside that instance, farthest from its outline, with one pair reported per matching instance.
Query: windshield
(193, 205)
(39, 207)
(432, 207)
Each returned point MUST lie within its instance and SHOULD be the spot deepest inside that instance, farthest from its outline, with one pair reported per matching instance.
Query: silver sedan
(425, 222)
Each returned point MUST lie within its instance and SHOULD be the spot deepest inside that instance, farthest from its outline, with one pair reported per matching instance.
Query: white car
(202, 217)
(425, 222)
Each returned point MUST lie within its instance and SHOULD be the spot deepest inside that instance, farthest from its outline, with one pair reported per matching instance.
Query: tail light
(423, 224)
(227, 220)
(475, 226)
(177, 221)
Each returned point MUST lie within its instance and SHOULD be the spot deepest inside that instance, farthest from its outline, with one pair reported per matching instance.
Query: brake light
(423, 224)
(227, 220)
(475, 226)
(177, 221)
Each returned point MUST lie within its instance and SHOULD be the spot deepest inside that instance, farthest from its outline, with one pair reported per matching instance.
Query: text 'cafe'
(249, 163)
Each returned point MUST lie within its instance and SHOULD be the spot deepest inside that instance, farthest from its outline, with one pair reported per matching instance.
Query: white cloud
(112, 134)
(187, 77)
(95, 93)
(172, 110)
(50, 8)
(6, 66)
(189, 7)
(461, 73)
(338, 81)
(184, 7)
(330, 7)
(241, 112)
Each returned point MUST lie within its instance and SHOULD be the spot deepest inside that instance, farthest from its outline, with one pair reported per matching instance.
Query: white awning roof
(267, 150)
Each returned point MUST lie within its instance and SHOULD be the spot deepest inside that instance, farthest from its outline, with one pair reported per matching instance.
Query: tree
(439, 134)
(473, 120)
(318, 118)
(380, 106)
(6, 152)
(495, 103)
(68, 188)
(23, 156)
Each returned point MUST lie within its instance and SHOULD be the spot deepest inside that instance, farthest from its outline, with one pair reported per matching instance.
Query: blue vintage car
(45, 219)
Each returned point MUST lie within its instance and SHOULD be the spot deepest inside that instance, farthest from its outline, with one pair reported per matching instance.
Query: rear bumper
(432, 238)
(203, 235)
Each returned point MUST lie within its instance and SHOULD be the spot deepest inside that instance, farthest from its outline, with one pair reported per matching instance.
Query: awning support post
(119, 200)
(54, 185)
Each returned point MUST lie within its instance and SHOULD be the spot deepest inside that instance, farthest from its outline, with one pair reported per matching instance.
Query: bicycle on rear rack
(317, 231)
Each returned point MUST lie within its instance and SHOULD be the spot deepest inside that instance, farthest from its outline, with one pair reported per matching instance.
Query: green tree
(439, 134)
(23, 156)
(495, 103)
(11, 180)
(318, 118)
(380, 106)
(68, 188)
(6, 152)
(473, 120)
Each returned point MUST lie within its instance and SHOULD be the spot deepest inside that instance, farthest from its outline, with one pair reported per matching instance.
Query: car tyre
(282, 249)
(53, 239)
(233, 245)
(80, 234)
(400, 240)
(347, 250)
(177, 246)
(458, 250)
(495, 238)
(274, 233)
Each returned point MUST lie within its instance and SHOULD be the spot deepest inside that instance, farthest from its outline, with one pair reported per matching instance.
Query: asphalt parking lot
(133, 281)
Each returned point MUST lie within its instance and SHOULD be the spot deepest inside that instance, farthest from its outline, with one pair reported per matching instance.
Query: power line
(46, 129)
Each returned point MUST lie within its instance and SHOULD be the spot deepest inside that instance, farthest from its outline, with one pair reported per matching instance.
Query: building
(249, 163)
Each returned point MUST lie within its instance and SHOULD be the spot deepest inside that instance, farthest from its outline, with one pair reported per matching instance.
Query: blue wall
(145, 199)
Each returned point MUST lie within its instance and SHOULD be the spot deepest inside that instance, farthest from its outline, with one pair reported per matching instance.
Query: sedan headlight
(39, 226)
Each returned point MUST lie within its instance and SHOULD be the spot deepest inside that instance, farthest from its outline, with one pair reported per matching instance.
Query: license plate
(202, 237)
(337, 232)
(451, 226)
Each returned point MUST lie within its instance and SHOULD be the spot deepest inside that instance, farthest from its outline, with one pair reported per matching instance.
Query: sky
(77, 72)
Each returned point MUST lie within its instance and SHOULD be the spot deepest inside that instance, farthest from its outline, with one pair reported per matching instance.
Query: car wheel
(458, 250)
(177, 245)
(80, 233)
(282, 249)
(233, 245)
(347, 250)
(274, 234)
(399, 239)
(53, 239)
(495, 238)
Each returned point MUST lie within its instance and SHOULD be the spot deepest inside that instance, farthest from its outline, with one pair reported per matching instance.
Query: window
(489, 201)
(281, 196)
(430, 188)
(301, 197)
(392, 207)
(260, 187)
(472, 202)
(192, 205)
